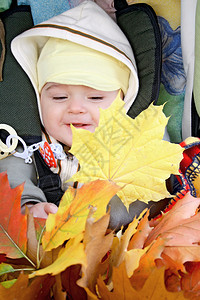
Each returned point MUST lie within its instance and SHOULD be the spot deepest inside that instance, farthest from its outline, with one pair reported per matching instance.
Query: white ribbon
(12, 142)
(57, 149)
(4, 148)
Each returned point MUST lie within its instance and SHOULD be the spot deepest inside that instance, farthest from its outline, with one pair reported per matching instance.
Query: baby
(77, 62)
(74, 82)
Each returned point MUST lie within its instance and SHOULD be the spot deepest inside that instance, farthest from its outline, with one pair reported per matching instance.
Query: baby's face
(62, 105)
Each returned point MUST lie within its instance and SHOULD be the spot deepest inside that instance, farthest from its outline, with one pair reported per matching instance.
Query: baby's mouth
(79, 125)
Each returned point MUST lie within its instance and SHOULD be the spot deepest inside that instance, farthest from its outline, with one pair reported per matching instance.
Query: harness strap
(2, 40)
(49, 182)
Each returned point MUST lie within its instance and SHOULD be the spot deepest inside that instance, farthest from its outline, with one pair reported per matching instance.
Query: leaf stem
(38, 248)
(22, 253)
(16, 270)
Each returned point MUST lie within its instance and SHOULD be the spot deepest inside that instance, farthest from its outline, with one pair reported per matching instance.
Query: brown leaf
(180, 255)
(147, 264)
(58, 292)
(143, 230)
(97, 244)
(185, 234)
(190, 284)
(154, 288)
(179, 215)
(172, 280)
(121, 283)
(21, 290)
(69, 278)
(180, 228)
(132, 260)
(120, 246)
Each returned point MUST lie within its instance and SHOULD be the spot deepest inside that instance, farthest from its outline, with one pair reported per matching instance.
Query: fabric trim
(82, 34)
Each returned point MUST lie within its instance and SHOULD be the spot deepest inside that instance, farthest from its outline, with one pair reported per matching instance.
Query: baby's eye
(95, 98)
(60, 98)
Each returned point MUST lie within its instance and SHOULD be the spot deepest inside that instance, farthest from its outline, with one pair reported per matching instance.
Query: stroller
(165, 74)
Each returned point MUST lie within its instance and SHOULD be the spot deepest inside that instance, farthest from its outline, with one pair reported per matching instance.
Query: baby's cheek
(96, 116)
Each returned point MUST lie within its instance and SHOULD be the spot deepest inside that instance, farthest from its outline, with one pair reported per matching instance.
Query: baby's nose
(76, 105)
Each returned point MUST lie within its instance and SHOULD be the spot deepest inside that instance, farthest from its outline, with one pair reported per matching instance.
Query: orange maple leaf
(13, 225)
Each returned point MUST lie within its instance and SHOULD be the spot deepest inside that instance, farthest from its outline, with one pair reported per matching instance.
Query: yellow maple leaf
(129, 152)
(73, 210)
(73, 253)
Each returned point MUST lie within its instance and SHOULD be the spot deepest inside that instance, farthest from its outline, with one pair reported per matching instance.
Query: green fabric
(5, 4)
(174, 109)
(197, 60)
(139, 23)
(17, 97)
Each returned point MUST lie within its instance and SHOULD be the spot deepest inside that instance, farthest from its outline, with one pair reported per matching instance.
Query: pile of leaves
(74, 254)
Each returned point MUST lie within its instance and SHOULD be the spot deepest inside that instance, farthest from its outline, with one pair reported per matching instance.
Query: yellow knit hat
(65, 62)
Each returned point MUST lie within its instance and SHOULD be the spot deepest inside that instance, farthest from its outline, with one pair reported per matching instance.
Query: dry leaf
(180, 229)
(58, 292)
(21, 290)
(129, 152)
(179, 215)
(132, 260)
(147, 264)
(121, 283)
(69, 279)
(97, 244)
(120, 246)
(154, 288)
(172, 280)
(185, 234)
(139, 237)
(180, 255)
(190, 282)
